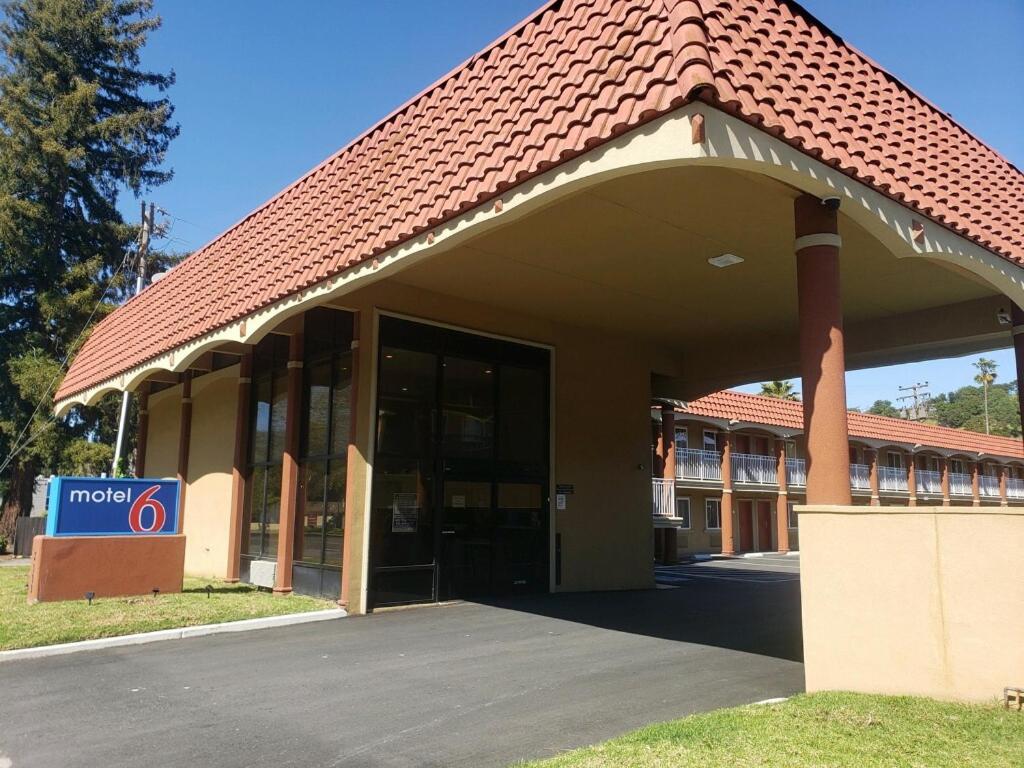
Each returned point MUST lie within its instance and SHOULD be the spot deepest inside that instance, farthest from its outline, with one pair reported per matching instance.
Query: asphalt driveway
(458, 685)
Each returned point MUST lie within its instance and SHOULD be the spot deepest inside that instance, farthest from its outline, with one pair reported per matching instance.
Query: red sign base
(67, 567)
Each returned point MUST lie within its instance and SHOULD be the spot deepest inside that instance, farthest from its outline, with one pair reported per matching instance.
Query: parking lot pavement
(459, 685)
(768, 568)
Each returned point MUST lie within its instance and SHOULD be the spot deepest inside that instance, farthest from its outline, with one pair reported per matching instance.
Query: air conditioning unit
(263, 573)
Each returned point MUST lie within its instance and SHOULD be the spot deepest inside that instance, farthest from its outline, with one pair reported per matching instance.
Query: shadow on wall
(763, 619)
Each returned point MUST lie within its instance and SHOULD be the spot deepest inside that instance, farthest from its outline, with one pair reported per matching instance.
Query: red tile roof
(789, 414)
(572, 76)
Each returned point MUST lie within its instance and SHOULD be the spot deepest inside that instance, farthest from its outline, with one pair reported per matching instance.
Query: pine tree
(80, 123)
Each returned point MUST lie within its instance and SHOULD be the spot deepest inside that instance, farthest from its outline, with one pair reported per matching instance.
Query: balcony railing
(663, 497)
(758, 470)
(796, 472)
(928, 481)
(692, 464)
(892, 479)
(860, 477)
(989, 486)
(1014, 488)
(960, 484)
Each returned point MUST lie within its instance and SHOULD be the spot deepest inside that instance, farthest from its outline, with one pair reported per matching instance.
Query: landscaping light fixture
(725, 260)
(209, 591)
(89, 596)
(156, 591)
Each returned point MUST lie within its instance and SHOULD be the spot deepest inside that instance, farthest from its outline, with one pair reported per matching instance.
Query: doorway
(460, 489)
(755, 523)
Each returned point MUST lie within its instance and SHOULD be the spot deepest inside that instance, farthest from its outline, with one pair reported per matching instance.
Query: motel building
(730, 469)
(424, 370)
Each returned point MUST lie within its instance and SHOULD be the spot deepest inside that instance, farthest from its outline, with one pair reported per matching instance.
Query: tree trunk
(19, 499)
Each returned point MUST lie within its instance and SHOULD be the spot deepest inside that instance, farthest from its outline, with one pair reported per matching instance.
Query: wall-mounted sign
(560, 501)
(98, 506)
(405, 513)
(566, 489)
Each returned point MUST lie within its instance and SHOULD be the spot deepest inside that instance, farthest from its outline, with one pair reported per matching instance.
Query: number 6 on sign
(135, 513)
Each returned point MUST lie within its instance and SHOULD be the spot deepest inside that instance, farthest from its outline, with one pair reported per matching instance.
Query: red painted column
(944, 480)
(728, 543)
(872, 456)
(975, 485)
(352, 467)
(290, 469)
(822, 352)
(239, 465)
(142, 434)
(184, 440)
(670, 544)
(1017, 318)
(1003, 474)
(912, 480)
(782, 501)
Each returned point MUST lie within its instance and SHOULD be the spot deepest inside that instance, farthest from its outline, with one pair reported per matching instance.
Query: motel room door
(745, 511)
(460, 490)
(764, 526)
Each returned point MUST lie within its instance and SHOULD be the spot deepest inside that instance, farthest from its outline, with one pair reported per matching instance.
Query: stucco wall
(923, 600)
(208, 496)
(211, 453)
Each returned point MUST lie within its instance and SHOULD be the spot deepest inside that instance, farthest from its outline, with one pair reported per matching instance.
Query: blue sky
(263, 95)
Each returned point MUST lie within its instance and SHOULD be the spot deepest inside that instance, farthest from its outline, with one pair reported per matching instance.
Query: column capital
(819, 238)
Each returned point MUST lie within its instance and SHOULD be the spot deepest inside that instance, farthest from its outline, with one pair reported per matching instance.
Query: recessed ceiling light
(725, 260)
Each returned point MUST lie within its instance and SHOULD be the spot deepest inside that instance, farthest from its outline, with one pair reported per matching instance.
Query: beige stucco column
(822, 355)
(728, 544)
(944, 480)
(975, 485)
(142, 433)
(782, 501)
(912, 480)
(184, 440)
(872, 456)
(352, 466)
(290, 469)
(239, 466)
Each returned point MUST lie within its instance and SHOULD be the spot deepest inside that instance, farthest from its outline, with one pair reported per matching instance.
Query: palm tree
(986, 375)
(783, 390)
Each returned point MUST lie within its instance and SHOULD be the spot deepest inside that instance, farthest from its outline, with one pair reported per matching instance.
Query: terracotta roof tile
(789, 414)
(572, 76)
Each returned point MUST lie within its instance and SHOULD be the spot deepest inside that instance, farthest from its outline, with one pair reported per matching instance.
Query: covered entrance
(460, 487)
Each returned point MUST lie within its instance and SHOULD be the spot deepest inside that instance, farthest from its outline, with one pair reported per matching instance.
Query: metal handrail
(960, 484)
(694, 464)
(860, 477)
(663, 497)
(928, 481)
(892, 479)
(755, 469)
(796, 472)
(989, 486)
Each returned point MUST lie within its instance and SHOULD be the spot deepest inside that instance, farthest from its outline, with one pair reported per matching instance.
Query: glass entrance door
(460, 500)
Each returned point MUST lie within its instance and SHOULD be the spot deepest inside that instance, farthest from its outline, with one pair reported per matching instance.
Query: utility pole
(140, 281)
(920, 396)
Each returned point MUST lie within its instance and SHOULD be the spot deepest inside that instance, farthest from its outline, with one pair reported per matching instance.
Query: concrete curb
(180, 633)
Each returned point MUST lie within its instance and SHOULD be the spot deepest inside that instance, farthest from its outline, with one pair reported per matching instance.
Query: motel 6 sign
(99, 506)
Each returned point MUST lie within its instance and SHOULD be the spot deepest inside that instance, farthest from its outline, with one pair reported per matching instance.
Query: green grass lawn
(26, 626)
(825, 729)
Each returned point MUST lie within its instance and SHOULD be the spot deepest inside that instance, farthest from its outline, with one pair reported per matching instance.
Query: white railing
(1014, 488)
(692, 464)
(892, 479)
(663, 497)
(989, 486)
(960, 484)
(796, 472)
(760, 470)
(928, 481)
(860, 477)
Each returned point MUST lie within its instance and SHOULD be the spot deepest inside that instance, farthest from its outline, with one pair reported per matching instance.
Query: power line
(920, 397)
(18, 445)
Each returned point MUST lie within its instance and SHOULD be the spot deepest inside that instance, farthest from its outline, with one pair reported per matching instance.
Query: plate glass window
(713, 514)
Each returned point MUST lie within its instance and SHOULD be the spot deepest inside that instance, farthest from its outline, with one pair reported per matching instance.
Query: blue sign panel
(98, 506)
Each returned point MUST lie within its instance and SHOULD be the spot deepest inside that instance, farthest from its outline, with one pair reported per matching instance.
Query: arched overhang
(674, 140)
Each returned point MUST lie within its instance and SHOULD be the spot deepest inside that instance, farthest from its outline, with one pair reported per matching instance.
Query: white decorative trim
(186, 401)
(822, 238)
(245, 380)
(294, 363)
(1018, 329)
